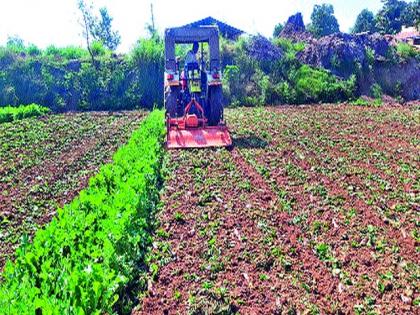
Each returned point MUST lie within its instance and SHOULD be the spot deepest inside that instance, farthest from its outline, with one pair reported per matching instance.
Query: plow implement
(190, 131)
(205, 137)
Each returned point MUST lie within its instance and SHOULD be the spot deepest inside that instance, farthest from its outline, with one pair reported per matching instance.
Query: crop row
(85, 259)
(46, 162)
(11, 113)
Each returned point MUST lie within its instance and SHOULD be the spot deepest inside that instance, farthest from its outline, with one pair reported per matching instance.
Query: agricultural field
(45, 162)
(314, 210)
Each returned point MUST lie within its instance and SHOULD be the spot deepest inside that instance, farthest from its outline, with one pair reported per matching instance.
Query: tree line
(390, 19)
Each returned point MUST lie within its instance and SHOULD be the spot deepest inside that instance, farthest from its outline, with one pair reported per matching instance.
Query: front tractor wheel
(215, 105)
(171, 101)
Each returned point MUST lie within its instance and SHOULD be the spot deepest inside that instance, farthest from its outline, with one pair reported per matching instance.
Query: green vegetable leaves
(83, 260)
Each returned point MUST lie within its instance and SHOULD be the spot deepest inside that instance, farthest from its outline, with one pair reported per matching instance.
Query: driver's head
(195, 47)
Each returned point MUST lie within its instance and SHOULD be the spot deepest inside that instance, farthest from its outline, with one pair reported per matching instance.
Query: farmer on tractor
(191, 57)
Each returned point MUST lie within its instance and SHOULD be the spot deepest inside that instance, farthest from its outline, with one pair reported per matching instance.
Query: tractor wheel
(215, 105)
(171, 101)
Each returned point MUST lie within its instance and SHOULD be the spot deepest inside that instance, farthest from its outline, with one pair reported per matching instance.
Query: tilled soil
(52, 172)
(315, 210)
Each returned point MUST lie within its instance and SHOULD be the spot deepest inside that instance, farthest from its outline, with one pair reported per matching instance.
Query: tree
(87, 23)
(277, 30)
(95, 29)
(15, 42)
(365, 22)
(102, 31)
(323, 21)
(151, 27)
(411, 14)
(389, 19)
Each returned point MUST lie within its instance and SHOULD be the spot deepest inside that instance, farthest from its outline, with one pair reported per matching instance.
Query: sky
(45, 22)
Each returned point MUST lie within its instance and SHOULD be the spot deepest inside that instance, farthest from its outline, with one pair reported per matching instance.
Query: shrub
(288, 46)
(315, 85)
(9, 113)
(72, 52)
(406, 51)
(83, 261)
(376, 91)
(52, 51)
(364, 103)
(33, 50)
(146, 61)
(98, 49)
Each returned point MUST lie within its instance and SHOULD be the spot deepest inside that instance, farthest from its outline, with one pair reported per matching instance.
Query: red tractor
(193, 92)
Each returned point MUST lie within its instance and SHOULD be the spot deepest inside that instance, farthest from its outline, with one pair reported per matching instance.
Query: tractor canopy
(189, 35)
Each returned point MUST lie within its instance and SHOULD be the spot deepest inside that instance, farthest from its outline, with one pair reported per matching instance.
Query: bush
(9, 113)
(364, 103)
(315, 85)
(376, 91)
(256, 72)
(83, 261)
(146, 61)
(98, 49)
(68, 53)
(33, 50)
(52, 80)
(406, 51)
(288, 46)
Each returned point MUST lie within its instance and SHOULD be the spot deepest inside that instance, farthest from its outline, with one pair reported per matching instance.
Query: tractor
(193, 91)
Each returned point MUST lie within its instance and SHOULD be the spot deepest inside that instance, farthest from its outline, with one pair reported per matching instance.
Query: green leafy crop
(84, 260)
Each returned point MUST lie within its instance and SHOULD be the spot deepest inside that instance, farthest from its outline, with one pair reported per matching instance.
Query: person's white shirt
(190, 57)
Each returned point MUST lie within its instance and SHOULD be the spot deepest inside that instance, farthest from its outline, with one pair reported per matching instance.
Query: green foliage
(411, 14)
(147, 63)
(10, 113)
(316, 85)
(389, 19)
(232, 87)
(376, 91)
(323, 21)
(98, 48)
(66, 53)
(283, 81)
(288, 46)
(33, 50)
(277, 30)
(406, 51)
(364, 103)
(360, 102)
(365, 22)
(82, 262)
(98, 29)
(103, 32)
(65, 79)
(15, 43)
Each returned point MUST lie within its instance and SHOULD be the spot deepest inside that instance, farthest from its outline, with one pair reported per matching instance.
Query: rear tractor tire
(215, 105)
(171, 101)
